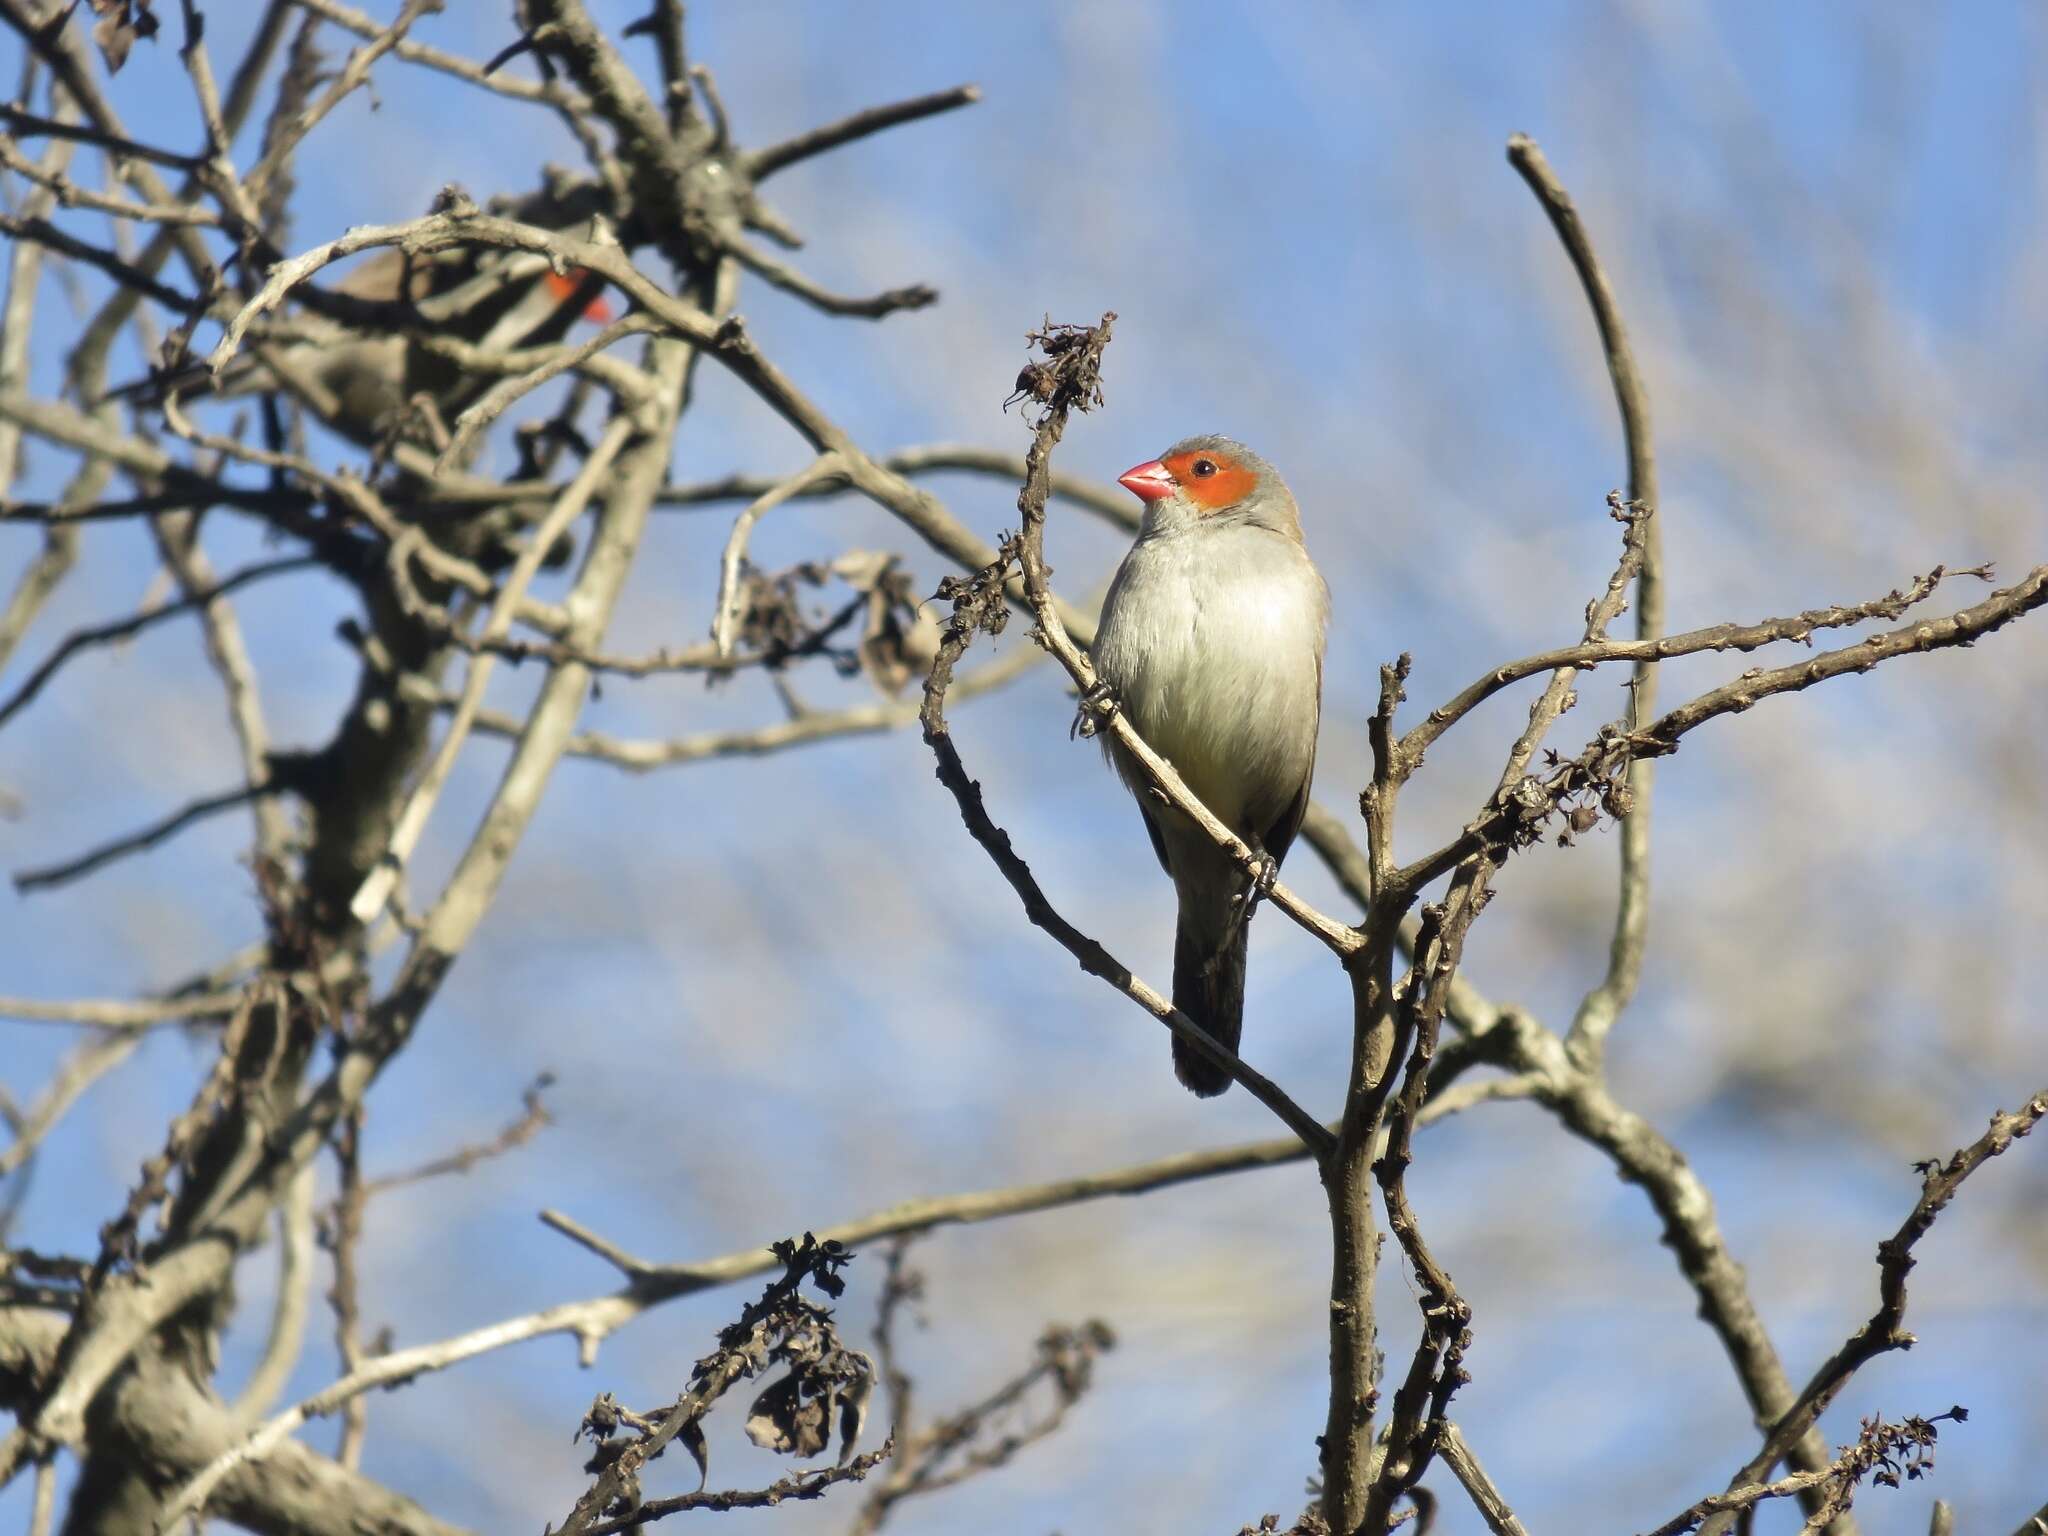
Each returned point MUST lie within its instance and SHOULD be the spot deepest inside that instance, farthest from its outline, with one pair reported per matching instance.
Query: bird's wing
(1280, 836)
(1158, 838)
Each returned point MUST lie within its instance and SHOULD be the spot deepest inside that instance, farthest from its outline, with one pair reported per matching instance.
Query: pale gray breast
(1212, 639)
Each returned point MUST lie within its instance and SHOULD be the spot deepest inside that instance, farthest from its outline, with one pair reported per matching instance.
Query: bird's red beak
(1150, 481)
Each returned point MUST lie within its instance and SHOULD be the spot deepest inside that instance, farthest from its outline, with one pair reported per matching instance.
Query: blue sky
(780, 992)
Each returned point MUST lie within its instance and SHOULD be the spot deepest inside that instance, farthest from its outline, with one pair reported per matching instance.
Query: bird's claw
(1265, 874)
(1095, 706)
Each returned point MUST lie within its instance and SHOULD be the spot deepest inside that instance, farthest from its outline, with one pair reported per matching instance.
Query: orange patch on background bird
(563, 285)
(1211, 480)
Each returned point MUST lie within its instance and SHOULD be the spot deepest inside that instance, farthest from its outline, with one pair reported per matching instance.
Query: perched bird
(492, 299)
(1212, 645)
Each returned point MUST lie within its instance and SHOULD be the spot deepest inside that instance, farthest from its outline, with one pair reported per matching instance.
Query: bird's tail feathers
(1208, 986)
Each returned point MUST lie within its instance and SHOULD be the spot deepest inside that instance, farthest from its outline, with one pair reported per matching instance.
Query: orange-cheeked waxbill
(1212, 644)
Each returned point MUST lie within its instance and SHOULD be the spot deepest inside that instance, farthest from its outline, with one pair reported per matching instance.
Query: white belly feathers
(1212, 639)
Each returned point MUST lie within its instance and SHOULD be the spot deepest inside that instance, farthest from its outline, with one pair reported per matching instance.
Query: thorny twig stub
(1070, 377)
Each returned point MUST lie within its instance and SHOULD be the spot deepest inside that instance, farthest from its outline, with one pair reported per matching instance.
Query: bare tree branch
(1885, 1330)
(1493, 1509)
(161, 1415)
(1884, 1452)
(412, 821)
(29, 125)
(592, 1320)
(50, 876)
(763, 163)
(805, 726)
(533, 1118)
(121, 1013)
(293, 1303)
(725, 609)
(935, 458)
(121, 629)
(809, 1483)
(469, 71)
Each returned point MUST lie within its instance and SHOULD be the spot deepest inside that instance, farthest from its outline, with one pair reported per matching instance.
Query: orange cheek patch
(1231, 483)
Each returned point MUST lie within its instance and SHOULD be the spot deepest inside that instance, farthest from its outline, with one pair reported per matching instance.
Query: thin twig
(120, 629)
(507, 392)
(1888, 1453)
(763, 163)
(343, 1237)
(43, 1500)
(29, 125)
(532, 1120)
(1614, 749)
(1746, 1497)
(1798, 629)
(48, 877)
(354, 74)
(726, 607)
(809, 1483)
(936, 458)
(69, 194)
(875, 306)
(1436, 1369)
(1604, 1004)
(631, 1265)
(469, 71)
(54, 561)
(61, 242)
(806, 726)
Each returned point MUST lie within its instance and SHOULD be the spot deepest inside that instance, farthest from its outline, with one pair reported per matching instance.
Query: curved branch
(1604, 1004)
(289, 1311)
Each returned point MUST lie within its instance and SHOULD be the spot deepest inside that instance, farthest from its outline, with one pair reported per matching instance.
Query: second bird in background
(1212, 642)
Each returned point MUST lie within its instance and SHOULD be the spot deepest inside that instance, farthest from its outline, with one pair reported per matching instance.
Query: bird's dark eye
(1204, 467)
